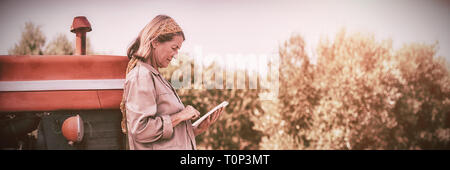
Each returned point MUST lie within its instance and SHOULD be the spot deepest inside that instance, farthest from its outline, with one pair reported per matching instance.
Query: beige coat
(150, 100)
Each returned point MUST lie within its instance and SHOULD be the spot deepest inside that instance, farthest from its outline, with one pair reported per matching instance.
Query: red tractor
(62, 101)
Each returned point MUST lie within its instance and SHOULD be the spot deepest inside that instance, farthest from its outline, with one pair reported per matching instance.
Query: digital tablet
(223, 104)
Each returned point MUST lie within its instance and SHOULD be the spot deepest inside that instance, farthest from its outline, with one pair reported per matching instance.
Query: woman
(153, 115)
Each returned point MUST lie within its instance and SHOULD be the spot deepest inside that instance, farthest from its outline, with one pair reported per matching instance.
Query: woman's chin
(165, 65)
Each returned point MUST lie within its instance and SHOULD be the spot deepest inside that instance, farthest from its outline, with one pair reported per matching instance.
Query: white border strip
(47, 85)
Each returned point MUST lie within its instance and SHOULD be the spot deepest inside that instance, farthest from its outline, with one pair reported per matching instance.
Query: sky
(247, 27)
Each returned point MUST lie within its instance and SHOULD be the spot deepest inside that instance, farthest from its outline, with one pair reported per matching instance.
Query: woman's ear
(155, 44)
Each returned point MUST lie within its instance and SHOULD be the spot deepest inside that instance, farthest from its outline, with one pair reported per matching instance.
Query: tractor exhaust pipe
(80, 26)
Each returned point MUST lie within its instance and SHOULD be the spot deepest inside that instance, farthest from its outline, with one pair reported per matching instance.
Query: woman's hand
(205, 124)
(188, 113)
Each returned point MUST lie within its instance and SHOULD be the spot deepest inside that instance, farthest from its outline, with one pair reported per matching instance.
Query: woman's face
(165, 52)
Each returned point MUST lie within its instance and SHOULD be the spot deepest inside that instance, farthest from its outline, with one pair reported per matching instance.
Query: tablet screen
(223, 104)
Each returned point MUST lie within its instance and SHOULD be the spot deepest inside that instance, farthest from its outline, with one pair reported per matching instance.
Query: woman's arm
(144, 125)
(186, 114)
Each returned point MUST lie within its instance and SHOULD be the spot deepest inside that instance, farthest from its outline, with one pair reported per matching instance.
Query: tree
(31, 43)
(60, 46)
(286, 119)
(423, 110)
(362, 95)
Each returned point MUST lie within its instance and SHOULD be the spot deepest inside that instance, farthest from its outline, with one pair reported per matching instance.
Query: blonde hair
(162, 28)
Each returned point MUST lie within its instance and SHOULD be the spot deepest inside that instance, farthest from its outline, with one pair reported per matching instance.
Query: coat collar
(148, 66)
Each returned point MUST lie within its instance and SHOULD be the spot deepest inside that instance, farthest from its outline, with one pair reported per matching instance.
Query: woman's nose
(175, 54)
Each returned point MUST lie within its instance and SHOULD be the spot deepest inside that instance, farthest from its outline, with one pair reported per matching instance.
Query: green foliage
(31, 43)
(361, 95)
(234, 130)
(288, 117)
(60, 46)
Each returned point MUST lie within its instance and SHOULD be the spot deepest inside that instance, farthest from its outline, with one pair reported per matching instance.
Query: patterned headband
(168, 26)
